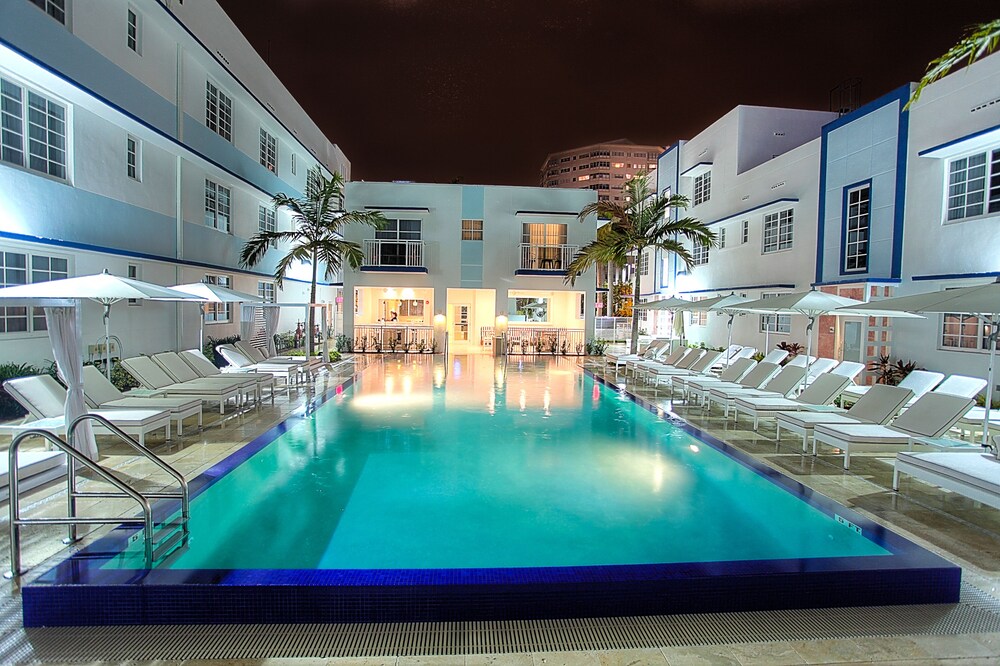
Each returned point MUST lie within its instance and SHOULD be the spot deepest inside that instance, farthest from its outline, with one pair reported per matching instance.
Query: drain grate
(978, 612)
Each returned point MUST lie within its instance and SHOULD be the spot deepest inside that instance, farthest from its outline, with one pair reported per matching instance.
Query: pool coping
(77, 591)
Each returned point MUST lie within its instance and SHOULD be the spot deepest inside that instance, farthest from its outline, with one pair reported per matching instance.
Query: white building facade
(455, 258)
(146, 138)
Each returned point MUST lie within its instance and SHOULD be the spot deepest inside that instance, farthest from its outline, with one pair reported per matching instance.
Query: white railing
(613, 328)
(380, 252)
(546, 257)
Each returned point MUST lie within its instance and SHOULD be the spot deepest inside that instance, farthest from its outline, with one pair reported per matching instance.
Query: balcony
(545, 259)
(393, 256)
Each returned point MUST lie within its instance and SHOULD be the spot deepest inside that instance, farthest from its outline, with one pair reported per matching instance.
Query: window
(776, 323)
(54, 8)
(134, 272)
(702, 188)
(699, 254)
(133, 157)
(965, 332)
(722, 237)
(856, 226)
(974, 185)
(265, 218)
(699, 317)
(268, 151)
(46, 130)
(132, 31)
(14, 271)
(644, 264)
(218, 111)
(778, 231)
(472, 230)
(265, 290)
(218, 312)
(542, 246)
(745, 233)
(294, 168)
(217, 206)
(581, 311)
(399, 253)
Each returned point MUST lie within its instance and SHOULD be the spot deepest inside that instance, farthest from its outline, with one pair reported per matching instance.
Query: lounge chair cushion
(868, 433)
(978, 470)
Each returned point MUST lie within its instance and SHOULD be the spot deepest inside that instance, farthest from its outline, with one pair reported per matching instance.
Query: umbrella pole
(730, 343)
(989, 386)
(809, 344)
(107, 340)
(201, 328)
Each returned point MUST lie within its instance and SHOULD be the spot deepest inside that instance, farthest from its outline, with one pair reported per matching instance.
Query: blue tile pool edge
(78, 591)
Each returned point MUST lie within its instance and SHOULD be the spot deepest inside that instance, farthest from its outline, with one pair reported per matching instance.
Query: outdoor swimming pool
(433, 491)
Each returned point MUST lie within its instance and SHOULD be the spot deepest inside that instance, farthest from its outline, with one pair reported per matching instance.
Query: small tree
(641, 222)
(316, 236)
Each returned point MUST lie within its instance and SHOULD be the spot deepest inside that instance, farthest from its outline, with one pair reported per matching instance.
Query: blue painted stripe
(955, 276)
(100, 249)
(753, 286)
(152, 128)
(858, 280)
(948, 144)
(902, 144)
(821, 227)
(733, 216)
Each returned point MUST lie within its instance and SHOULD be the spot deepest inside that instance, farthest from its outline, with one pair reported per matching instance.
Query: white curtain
(63, 335)
(246, 323)
(270, 328)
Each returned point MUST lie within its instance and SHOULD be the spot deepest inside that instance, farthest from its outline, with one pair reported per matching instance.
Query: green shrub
(120, 377)
(209, 349)
(284, 341)
(344, 343)
(597, 347)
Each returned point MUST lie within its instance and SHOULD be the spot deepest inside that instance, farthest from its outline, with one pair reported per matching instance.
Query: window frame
(28, 131)
(268, 151)
(783, 231)
(33, 316)
(220, 118)
(211, 185)
(267, 220)
(60, 7)
(472, 230)
(782, 323)
(745, 232)
(133, 30)
(133, 157)
(990, 192)
(846, 244)
(213, 311)
(267, 291)
(701, 188)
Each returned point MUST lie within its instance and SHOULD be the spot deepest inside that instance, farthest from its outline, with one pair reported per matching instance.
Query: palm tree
(316, 236)
(981, 40)
(642, 221)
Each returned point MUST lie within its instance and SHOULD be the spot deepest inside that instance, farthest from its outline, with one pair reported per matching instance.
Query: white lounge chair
(45, 400)
(961, 385)
(930, 416)
(656, 346)
(658, 376)
(700, 386)
(975, 474)
(689, 359)
(760, 375)
(735, 372)
(878, 405)
(822, 391)
(205, 368)
(918, 381)
(180, 372)
(152, 376)
(307, 364)
(33, 469)
(779, 385)
(101, 393)
(656, 350)
(292, 374)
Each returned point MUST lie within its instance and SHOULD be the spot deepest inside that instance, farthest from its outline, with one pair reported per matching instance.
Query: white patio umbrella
(667, 304)
(811, 304)
(103, 288)
(981, 301)
(213, 293)
(727, 305)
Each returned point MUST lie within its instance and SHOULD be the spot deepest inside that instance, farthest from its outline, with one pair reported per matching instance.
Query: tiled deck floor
(943, 522)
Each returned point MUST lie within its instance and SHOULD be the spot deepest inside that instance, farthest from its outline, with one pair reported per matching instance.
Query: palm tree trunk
(634, 345)
(312, 299)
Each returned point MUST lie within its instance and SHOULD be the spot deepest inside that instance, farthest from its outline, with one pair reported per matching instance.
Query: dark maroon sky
(482, 90)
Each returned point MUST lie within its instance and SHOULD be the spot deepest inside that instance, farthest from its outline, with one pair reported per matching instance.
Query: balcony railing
(393, 254)
(385, 338)
(554, 258)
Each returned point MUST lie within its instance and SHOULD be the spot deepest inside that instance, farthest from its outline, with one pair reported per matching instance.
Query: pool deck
(942, 522)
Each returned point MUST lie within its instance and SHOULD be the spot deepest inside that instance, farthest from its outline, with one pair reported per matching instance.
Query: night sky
(480, 91)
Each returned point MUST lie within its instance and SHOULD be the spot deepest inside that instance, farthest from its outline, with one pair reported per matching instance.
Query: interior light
(408, 294)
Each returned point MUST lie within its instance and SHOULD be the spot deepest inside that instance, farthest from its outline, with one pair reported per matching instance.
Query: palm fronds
(980, 41)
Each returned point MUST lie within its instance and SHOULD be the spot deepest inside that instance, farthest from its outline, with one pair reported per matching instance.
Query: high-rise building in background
(604, 167)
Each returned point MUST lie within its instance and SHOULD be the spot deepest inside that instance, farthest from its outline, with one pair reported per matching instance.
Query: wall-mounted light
(501, 324)
(408, 294)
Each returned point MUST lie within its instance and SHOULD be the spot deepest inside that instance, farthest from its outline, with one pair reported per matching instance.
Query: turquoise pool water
(470, 465)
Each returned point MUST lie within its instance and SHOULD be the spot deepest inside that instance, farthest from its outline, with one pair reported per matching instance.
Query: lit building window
(778, 231)
(702, 188)
(218, 111)
(856, 229)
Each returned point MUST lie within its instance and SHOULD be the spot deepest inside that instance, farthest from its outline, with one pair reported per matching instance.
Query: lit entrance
(471, 313)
